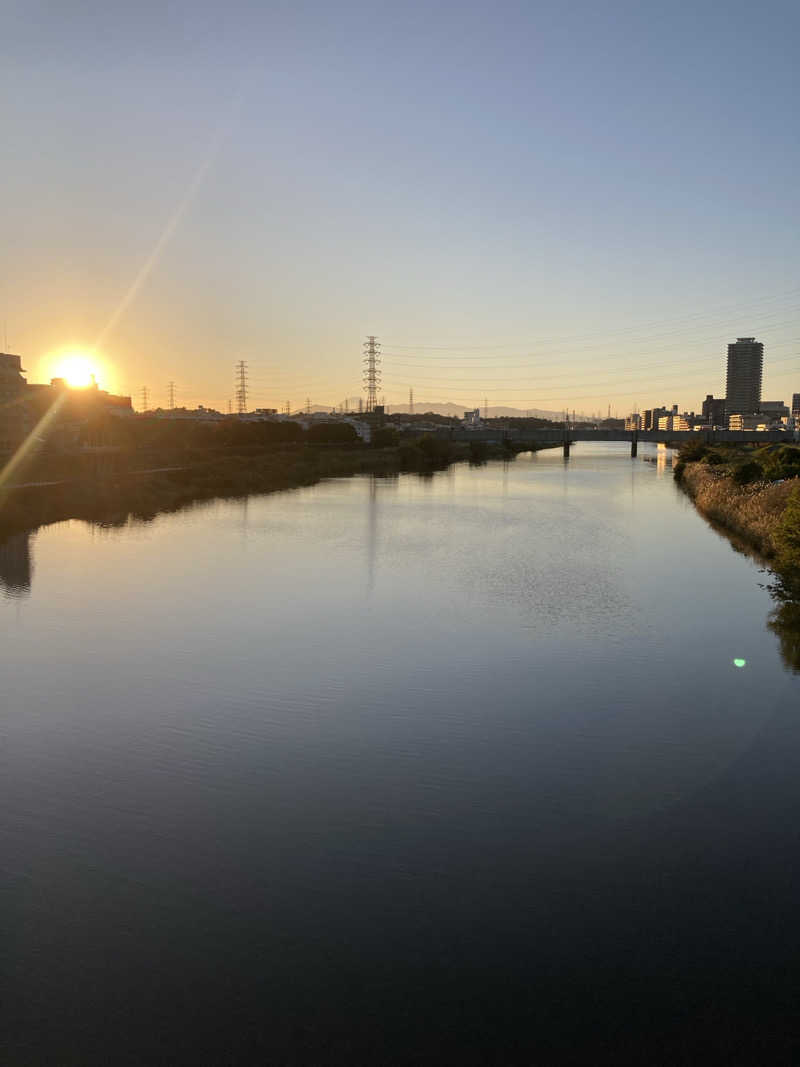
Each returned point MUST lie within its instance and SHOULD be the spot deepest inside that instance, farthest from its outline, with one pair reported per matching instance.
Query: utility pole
(372, 374)
(361, 405)
(171, 396)
(411, 401)
(144, 395)
(241, 387)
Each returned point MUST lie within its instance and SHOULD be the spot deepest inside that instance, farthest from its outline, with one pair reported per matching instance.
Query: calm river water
(446, 770)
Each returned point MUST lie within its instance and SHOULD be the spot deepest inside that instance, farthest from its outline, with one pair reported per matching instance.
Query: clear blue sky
(540, 203)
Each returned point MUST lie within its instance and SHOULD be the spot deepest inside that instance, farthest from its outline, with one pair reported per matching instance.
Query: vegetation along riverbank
(163, 466)
(754, 495)
(752, 491)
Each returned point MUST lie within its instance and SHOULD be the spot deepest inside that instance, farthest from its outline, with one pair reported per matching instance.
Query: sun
(76, 369)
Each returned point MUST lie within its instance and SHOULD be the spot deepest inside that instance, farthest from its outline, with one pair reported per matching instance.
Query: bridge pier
(566, 448)
(634, 446)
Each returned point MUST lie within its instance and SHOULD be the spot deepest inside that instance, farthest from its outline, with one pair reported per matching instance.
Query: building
(714, 410)
(751, 422)
(796, 405)
(23, 405)
(774, 409)
(13, 410)
(634, 421)
(472, 419)
(651, 416)
(745, 369)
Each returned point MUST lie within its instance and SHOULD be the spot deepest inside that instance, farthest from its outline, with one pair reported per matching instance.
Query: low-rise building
(714, 410)
(746, 422)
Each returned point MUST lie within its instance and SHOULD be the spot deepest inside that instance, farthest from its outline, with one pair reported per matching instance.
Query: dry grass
(753, 511)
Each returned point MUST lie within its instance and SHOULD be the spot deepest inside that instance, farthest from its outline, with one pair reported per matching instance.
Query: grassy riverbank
(115, 487)
(753, 492)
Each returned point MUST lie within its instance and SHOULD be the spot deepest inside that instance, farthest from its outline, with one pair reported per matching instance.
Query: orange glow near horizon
(77, 368)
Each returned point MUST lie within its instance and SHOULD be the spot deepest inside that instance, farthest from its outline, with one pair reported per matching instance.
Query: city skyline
(78, 371)
(518, 207)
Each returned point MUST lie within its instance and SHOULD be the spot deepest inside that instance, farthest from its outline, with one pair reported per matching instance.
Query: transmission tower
(361, 405)
(411, 401)
(241, 387)
(288, 408)
(230, 407)
(308, 405)
(372, 374)
(485, 409)
(171, 396)
(144, 395)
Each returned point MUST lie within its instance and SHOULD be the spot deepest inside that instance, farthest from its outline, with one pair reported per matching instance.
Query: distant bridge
(566, 438)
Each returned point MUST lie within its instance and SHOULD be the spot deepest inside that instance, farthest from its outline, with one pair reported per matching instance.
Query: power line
(442, 383)
(737, 306)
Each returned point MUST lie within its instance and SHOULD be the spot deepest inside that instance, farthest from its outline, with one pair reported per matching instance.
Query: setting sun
(76, 370)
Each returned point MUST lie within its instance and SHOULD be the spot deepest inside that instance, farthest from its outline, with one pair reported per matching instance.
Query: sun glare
(76, 370)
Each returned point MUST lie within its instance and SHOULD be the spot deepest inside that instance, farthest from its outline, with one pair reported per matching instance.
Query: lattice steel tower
(241, 387)
(372, 374)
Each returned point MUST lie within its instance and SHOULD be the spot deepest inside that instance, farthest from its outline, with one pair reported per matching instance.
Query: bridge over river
(567, 438)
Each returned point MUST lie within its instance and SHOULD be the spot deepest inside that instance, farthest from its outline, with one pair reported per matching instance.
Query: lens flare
(740, 663)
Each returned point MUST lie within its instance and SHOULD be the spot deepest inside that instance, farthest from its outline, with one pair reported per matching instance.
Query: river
(458, 769)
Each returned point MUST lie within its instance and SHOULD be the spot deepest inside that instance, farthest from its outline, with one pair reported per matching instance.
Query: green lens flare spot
(740, 663)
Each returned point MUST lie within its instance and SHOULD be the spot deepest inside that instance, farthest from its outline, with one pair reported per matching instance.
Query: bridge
(566, 438)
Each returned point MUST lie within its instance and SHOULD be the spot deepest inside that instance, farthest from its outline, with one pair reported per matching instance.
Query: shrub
(750, 471)
(384, 437)
(715, 458)
(332, 433)
(787, 535)
(783, 462)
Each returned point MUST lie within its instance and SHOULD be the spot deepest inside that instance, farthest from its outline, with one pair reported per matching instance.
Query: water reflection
(784, 622)
(372, 532)
(16, 567)
(662, 460)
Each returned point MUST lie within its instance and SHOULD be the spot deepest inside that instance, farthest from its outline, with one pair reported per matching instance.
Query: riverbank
(151, 483)
(752, 492)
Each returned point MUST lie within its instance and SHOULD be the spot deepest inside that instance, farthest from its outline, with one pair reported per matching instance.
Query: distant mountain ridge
(494, 412)
(457, 411)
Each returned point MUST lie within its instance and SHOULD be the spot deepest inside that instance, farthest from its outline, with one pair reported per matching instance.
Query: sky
(540, 205)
